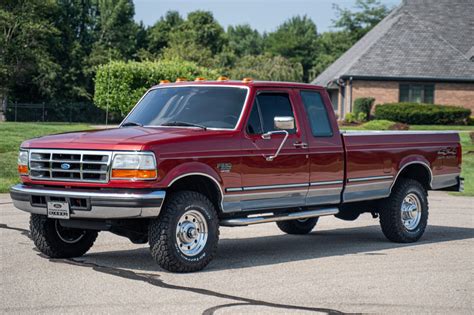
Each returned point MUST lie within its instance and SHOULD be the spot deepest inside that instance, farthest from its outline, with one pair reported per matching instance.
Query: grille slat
(83, 166)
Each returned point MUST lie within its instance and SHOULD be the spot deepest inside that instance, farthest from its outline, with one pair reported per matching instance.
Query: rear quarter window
(317, 115)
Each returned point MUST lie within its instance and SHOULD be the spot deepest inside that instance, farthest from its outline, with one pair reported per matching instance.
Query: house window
(417, 93)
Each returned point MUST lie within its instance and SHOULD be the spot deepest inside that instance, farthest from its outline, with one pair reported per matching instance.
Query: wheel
(56, 241)
(184, 236)
(404, 215)
(302, 226)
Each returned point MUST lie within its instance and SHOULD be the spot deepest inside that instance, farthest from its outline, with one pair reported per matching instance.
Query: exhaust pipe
(279, 217)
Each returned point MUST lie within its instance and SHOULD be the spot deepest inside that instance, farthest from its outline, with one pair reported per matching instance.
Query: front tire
(297, 226)
(56, 241)
(404, 215)
(184, 237)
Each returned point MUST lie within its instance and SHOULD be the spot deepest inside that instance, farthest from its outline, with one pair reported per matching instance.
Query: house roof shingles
(422, 39)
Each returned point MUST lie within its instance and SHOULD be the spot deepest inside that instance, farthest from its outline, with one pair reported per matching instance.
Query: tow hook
(374, 214)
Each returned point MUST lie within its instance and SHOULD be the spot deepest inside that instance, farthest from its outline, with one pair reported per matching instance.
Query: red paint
(187, 150)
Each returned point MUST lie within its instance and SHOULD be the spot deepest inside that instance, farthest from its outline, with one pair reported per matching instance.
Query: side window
(317, 114)
(272, 105)
(254, 125)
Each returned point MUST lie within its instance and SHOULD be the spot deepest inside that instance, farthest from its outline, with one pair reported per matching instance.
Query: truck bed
(374, 159)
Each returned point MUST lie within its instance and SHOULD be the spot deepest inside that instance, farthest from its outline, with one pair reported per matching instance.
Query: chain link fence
(58, 112)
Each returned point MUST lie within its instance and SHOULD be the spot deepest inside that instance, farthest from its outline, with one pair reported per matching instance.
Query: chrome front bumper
(91, 204)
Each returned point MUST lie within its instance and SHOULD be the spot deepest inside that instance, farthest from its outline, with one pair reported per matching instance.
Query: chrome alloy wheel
(191, 233)
(67, 235)
(411, 211)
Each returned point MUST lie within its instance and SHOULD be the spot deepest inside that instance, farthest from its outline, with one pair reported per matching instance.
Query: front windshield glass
(206, 106)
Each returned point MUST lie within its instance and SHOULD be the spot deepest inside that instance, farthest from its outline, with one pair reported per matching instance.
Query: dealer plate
(58, 210)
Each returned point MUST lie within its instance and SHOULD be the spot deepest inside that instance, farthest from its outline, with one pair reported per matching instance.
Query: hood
(129, 138)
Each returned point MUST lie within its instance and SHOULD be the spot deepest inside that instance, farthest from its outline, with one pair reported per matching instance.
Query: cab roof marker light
(164, 81)
(222, 78)
(200, 79)
(181, 79)
(247, 80)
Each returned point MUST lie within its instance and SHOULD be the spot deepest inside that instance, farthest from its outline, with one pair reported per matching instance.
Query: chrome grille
(70, 165)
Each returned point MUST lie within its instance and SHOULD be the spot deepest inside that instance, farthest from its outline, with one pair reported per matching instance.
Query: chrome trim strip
(367, 191)
(332, 182)
(383, 133)
(274, 186)
(279, 217)
(363, 179)
(233, 189)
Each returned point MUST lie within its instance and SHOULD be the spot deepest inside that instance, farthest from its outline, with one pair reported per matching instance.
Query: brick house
(423, 51)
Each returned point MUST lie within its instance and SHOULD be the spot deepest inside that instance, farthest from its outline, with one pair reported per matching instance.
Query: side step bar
(279, 217)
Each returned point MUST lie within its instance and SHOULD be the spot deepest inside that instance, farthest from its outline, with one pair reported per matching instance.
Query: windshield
(190, 106)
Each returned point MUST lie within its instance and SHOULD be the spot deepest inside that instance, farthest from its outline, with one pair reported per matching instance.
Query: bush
(423, 114)
(384, 125)
(363, 105)
(349, 118)
(121, 84)
(361, 117)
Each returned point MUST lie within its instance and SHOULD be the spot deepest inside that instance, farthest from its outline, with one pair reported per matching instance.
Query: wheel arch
(418, 170)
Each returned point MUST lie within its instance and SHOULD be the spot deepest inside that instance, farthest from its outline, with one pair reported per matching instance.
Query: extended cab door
(283, 181)
(326, 152)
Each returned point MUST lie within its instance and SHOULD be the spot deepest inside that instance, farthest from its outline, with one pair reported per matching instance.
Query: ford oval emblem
(65, 166)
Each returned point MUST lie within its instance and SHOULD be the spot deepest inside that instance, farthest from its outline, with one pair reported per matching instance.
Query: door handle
(300, 144)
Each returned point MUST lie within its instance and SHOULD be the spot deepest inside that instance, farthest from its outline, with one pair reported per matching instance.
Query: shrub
(361, 117)
(384, 125)
(349, 118)
(423, 114)
(121, 84)
(363, 105)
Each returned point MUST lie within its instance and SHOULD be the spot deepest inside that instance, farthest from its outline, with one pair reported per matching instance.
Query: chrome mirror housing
(284, 122)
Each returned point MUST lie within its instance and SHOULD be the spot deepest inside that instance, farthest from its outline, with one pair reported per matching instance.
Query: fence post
(15, 110)
(70, 112)
(43, 111)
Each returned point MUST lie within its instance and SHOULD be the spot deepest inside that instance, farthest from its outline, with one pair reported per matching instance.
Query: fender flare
(411, 160)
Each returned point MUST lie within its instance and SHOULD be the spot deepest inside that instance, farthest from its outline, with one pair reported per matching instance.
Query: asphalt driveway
(340, 267)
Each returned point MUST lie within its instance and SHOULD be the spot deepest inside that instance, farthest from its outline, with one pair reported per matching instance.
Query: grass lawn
(13, 134)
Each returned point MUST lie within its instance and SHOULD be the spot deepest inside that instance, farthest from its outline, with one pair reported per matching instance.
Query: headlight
(134, 166)
(23, 162)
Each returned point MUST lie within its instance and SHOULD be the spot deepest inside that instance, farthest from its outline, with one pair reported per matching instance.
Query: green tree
(366, 15)
(159, 33)
(115, 32)
(267, 67)
(295, 39)
(331, 46)
(28, 69)
(244, 40)
(198, 39)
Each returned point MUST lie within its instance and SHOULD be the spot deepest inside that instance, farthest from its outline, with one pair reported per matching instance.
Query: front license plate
(58, 210)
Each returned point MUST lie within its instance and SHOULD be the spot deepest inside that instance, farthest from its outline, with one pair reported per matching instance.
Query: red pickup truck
(193, 156)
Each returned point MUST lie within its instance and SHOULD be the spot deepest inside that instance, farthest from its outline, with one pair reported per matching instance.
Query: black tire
(297, 226)
(70, 243)
(162, 233)
(391, 215)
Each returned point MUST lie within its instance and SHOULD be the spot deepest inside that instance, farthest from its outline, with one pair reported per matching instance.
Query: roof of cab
(241, 83)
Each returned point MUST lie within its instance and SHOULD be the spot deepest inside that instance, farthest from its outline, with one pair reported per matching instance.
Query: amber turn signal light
(23, 169)
(131, 174)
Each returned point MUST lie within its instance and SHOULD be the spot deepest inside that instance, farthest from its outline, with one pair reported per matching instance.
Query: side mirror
(284, 122)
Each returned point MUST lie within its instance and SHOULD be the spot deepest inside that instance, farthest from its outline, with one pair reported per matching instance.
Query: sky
(263, 15)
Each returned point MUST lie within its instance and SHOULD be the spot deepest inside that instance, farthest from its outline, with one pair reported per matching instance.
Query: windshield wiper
(183, 123)
(131, 123)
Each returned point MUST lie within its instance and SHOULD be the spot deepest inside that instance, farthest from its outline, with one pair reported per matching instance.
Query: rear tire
(184, 237)
(56, 241)
(297, 226)
(404, 215)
